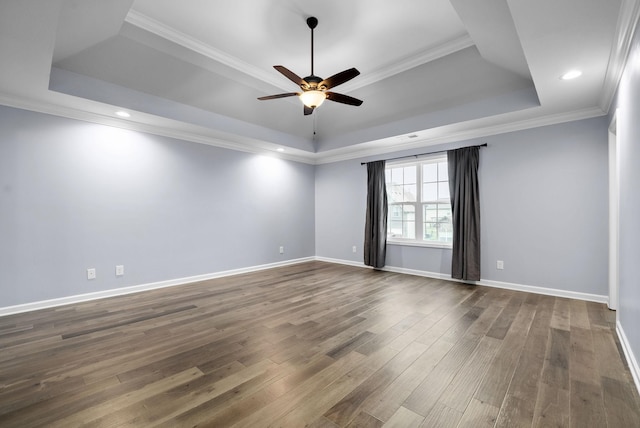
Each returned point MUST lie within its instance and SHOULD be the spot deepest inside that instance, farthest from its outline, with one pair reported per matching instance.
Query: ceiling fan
(314, 88)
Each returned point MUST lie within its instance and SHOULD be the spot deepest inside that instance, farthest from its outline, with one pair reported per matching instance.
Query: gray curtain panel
(465, 206)
(375, 230)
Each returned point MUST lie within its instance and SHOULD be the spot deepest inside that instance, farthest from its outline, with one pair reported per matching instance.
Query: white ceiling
(439, 69)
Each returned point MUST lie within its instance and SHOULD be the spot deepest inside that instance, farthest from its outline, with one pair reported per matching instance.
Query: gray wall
(75, 195)
(544, 209)
(628, 138)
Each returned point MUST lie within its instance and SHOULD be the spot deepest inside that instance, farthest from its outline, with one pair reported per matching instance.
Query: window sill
(420, 244)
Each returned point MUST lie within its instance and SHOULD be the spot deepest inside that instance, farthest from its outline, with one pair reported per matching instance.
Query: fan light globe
(313, 99)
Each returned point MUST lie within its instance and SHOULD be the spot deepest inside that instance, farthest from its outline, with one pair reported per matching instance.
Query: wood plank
(495, 384)
(501, 326)
(583, 366)
(426, 395)
(120, 402)
(620, 403)
(443, 416)
(519, 406)
(385, 402)
(561, 314)
(556, 367)
(587, 405)
(551, 407)
(344, 410)
(338, 390)
(364, 420)
(578, 314)
(303, 392)
(610, 362)
(463, 386)
(320, 345)
(479, 415)
(404, 418)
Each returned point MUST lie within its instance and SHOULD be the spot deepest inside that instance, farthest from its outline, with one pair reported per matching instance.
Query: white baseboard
(495, 284)
(341, 262)
(628, 353)
(546, 291)
(27, 307)
(180, 281)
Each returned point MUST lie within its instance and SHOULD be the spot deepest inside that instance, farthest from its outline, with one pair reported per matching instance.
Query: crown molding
(408, 63)
(627, 24)
(166, 32)
(445, 134)
(171, 129)
(475, 129)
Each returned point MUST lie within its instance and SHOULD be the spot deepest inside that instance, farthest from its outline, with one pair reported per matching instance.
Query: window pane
(409, 224)
(387, 176)
(444, 212)
(443, 190)
(410, 193)
(397, 176)
(409, 230)
(401, 221)
(430, 192)
(409, 212)
(395, 228)
(394, 193)
(430, 213)
(410, 175)
(430, 232)
(445, 232)
(429, 172)
(443, 171)
(395, 212)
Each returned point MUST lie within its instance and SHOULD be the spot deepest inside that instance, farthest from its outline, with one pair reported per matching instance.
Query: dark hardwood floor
(321, 345)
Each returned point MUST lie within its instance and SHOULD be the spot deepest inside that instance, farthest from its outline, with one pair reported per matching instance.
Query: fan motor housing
(312, 81)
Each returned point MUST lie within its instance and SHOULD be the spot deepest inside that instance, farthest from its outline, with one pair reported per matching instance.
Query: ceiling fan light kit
(314, 88)
(313, 99)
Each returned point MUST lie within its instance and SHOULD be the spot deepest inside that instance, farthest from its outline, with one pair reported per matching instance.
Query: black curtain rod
(423, 154)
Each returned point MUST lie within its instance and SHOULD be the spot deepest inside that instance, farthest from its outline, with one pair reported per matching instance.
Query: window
(419, 203)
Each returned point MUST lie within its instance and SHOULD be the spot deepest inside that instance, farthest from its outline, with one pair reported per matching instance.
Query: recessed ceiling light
(122, 113)
(280, 149)
(571, 75)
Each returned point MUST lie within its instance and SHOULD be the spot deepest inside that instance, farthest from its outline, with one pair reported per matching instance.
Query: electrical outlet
(500, 264)
(119, 270)
(281, 250)
(353, 248)
(91, 273)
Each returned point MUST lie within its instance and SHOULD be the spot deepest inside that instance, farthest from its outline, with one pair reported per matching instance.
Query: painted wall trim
(69, 107)
(87, 111)
(626, 27)
(634, 368)
(27, 307)
(477, 128)
(44, 304)
(494, 284)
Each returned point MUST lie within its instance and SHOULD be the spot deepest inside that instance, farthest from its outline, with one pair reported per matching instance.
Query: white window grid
(417, 194)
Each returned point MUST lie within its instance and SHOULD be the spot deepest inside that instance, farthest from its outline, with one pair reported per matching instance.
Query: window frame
(419, 204)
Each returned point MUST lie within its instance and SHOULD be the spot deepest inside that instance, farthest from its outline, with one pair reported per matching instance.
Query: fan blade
(273, 97)
(344, 99)
(308, 110)
(291, 75)
(339, 79)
